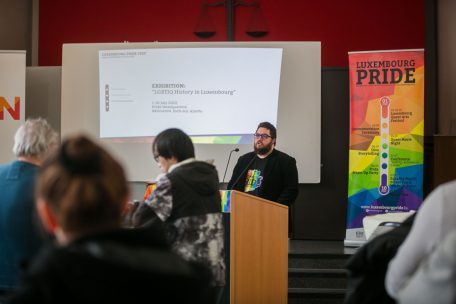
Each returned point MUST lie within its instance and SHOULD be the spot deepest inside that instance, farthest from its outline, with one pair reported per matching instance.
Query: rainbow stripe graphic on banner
(226, 199)
(386, 135)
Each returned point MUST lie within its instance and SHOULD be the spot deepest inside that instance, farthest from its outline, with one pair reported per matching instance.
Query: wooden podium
(258, 250)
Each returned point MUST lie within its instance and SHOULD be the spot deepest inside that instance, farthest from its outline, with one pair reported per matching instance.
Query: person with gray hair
(20, 237)
(34, 139)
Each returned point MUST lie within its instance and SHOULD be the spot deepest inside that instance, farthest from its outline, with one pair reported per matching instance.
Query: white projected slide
(217, 92)
(204, 91)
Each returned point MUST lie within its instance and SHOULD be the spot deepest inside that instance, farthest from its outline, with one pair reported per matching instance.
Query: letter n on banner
(14, 111)
(12, 98)
(386, 136)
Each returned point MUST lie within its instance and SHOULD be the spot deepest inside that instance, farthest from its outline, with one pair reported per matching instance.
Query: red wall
(341, 26)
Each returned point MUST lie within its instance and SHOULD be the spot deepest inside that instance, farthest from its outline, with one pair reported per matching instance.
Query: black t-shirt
(254, 178)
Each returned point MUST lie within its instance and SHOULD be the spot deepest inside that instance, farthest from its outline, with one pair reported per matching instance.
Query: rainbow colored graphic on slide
(216, 139)
(386, 133)
(235, 139)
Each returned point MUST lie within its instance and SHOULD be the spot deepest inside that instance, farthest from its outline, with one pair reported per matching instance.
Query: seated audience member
(367, 267)
(435, 279)
(434, 221)
(20, 234)
(187, 200)
(81, 195)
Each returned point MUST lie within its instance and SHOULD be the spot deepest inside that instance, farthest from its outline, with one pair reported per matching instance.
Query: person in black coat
(367, 267)
(82, 195)
(187, 202)
(266, 172)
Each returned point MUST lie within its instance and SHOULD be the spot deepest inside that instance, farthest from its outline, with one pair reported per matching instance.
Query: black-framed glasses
(156, 156)
(262, 136)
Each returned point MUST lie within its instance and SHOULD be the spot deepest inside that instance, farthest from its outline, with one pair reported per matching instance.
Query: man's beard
(264, 150)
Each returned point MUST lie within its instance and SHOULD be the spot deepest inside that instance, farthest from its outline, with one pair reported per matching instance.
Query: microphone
(228, 162)
(243, 171)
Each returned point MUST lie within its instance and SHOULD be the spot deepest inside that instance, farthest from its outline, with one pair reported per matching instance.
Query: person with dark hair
(81, 196)
(266, 172)
(20, 234)
(187, 200)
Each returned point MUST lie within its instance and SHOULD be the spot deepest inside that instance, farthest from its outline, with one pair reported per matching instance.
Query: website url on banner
(392, 208)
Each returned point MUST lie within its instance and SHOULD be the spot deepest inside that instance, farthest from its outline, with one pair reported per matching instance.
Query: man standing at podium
(266, 172)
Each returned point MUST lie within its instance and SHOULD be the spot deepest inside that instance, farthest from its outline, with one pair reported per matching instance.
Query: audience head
(34, 139)
(172, 146)
(265, 138)
(81, 189)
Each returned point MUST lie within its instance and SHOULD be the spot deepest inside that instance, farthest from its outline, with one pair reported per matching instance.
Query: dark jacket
(122, 266)
(187, 200)
(367, 267)
(280, 178)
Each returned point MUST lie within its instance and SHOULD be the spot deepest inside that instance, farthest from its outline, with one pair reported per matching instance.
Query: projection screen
(125, 93)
